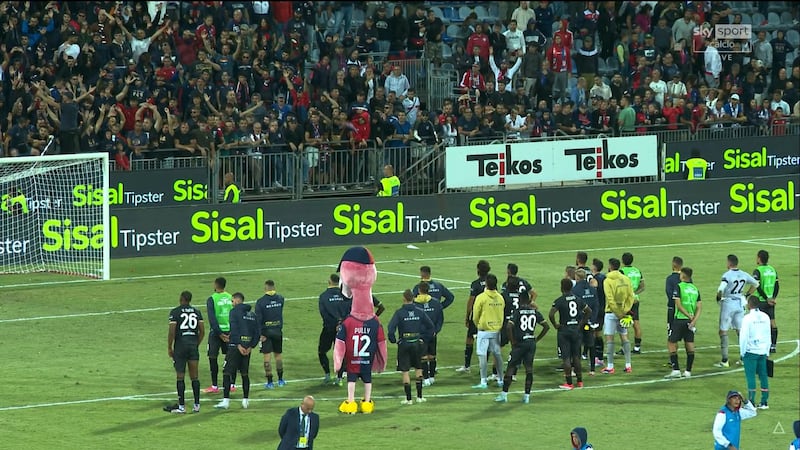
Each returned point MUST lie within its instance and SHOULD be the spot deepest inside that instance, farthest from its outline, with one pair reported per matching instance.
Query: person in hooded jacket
(579, 439)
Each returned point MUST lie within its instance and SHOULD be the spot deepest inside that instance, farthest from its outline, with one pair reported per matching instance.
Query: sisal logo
(503, 164)
(600, 158)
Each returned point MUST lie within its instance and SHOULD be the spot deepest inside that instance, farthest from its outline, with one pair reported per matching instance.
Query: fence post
(213, 185)
(298, 175)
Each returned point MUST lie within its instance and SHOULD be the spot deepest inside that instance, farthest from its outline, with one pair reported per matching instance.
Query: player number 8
(573, 309)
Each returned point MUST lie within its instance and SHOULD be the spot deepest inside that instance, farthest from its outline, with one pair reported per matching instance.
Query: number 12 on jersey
(361, 345)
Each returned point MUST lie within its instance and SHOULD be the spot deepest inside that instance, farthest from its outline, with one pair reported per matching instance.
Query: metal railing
(331, 169)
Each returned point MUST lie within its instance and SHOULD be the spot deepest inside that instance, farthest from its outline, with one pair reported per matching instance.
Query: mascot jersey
(361, 339)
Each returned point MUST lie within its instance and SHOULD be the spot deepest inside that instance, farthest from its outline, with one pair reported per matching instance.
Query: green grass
(95, 358)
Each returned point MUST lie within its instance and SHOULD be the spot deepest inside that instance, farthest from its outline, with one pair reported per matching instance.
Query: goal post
(54, 215)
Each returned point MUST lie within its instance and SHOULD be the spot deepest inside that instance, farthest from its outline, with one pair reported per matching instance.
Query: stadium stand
(306, 98)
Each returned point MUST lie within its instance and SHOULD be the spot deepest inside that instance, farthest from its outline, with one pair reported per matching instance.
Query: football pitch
(86, 364)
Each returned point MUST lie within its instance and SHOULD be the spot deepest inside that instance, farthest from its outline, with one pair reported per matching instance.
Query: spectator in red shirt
(671, 114)
(480, 40)
(564, 32)
(186, 47)
(699, 116)
(560, 60)
(473, 81)
(206, 30)
(778, 122)
(281, 13)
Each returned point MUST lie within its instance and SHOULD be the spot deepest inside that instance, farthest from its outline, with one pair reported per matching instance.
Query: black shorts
(670, 315)
(679, 331)
(273, 344)
(409, 355)
(587, 336)
(473, 330)
(767, 309)
(429, 346)
(182, 354)
(326, 339)
(215, 345)
(236, 362)
(601, 314)
(365, 374)
(504, 335)
(522, 353)
(635, 311)
(569, 343)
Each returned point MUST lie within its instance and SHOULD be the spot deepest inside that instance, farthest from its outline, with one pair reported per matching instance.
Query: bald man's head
(308, 404)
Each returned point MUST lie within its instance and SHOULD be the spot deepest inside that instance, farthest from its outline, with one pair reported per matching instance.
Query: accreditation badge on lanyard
(302, 441)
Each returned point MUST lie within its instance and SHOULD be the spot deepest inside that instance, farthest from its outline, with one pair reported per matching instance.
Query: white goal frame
(36, 170)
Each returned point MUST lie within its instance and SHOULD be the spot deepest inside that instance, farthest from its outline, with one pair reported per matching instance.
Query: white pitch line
(157, 396)
(417, 277)
(778, 238)
(161, 308)
(770, 244)
(394, 261)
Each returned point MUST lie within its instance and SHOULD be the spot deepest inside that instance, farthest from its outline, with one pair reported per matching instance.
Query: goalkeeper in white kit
(732, 299)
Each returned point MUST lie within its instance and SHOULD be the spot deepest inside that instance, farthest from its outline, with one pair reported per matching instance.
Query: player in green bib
(687, 310)
(637, 283)
(219, 305)
(767, 290)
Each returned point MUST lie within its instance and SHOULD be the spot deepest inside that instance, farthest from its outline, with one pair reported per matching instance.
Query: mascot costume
(360, 343)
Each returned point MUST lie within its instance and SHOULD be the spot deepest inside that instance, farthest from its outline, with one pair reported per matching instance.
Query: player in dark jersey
(670, 285)
(269, 312)
(361, 339)
(513, 288)
(475, 289)
(433, 310)
(573, 314)
(186, 331)
(512, 270)
(768, 288)
(599, 340)
(588, 294)
(412, 324)
(244, 337)
(333, 308)
(436, 289)
(521, 328)
(688, 307)
(581, 259)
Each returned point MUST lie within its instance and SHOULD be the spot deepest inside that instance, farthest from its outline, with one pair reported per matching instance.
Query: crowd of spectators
(303, 94)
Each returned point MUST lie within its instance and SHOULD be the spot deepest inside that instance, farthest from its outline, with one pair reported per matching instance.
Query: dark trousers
(70, 141)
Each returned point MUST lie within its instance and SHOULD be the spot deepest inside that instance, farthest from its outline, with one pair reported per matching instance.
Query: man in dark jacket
(244, 336)
(299, 426)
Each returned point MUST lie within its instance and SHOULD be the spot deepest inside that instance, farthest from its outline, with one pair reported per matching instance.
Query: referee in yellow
(232, 191)
(389, 185)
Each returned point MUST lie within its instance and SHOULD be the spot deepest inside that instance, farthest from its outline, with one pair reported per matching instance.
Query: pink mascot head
(358, 273)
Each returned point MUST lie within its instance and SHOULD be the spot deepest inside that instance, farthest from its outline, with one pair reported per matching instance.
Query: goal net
(54, 215)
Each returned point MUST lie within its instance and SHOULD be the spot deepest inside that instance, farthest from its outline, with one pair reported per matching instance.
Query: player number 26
(189, 321)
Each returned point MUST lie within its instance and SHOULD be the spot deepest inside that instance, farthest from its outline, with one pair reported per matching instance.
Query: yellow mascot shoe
(348, 407)
(367, 407)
